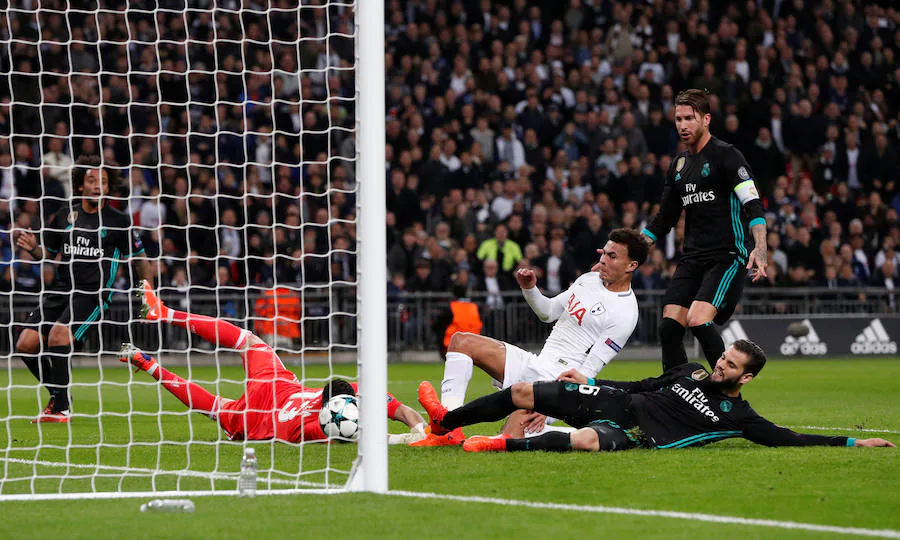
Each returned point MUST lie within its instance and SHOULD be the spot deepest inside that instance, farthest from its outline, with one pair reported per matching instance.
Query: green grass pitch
(849, 487)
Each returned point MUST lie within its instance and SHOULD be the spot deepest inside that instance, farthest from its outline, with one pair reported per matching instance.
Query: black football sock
(710, 341)
(58, 357)
(38, 366)
(555, 441)
(489, 408)
(671, 339)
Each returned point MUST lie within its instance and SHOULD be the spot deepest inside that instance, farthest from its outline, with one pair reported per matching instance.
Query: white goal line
(710, 518)
(157, 472)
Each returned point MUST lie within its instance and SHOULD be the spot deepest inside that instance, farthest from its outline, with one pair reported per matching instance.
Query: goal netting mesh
(231, 128)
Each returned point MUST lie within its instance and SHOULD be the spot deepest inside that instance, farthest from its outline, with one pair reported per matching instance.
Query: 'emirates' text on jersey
(716, 190)
(91, 245)
(594, 325)
(683, 407)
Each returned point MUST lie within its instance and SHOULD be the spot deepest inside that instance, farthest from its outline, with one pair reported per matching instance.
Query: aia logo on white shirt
(575, 309)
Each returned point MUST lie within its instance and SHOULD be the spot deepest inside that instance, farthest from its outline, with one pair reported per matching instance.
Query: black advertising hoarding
(828, 335)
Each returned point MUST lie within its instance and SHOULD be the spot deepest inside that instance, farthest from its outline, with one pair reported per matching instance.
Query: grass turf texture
(855, 487)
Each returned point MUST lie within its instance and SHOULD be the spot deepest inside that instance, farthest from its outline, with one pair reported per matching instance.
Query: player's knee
(670, 330)
(250, 340)
(29, 342)
(523, 395)
(461, 342)
(59, 336)
(697, 320)
(585, 439)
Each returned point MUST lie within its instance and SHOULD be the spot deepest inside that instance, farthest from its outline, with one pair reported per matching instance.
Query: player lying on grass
(685, 406)
(274, 406)
(594, 318)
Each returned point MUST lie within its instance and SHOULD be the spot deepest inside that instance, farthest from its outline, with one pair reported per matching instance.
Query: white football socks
(457, 374)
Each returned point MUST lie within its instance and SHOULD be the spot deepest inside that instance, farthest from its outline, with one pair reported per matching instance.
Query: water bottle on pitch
(168, 505)
(247, 479)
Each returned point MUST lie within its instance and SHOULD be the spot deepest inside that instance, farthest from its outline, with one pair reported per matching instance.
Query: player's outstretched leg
(191, 394)
(213, 330)
(548, 442)
(489, 408)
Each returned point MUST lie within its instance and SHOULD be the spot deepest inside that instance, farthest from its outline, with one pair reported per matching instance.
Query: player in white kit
(594, 319)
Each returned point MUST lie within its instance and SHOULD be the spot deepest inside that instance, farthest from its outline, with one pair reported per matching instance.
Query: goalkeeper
(686, 406)
(275, 405)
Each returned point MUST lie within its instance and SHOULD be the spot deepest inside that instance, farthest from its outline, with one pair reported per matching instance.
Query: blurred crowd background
(518, 133)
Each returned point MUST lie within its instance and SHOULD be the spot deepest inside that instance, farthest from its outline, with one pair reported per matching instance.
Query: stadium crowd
(517, 133)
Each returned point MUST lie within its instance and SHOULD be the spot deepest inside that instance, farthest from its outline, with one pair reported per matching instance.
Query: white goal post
(166, 96)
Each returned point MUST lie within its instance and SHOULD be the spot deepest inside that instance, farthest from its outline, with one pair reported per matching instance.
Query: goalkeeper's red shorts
(275, 404)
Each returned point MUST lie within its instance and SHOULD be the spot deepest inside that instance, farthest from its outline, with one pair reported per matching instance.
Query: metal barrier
(329, 318)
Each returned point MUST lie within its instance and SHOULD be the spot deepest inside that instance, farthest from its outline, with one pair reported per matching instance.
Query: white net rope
(228, 130)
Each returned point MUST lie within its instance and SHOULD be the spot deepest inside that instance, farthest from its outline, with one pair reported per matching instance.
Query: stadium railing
(411, 316)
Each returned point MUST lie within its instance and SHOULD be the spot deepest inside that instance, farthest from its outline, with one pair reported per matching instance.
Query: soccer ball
(339, 418)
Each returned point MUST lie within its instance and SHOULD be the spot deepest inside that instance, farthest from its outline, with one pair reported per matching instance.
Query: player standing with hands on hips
(713, 184)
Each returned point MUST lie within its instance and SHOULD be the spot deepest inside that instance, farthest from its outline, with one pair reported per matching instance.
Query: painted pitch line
(158, 472)
(848, 429)
(710, 518)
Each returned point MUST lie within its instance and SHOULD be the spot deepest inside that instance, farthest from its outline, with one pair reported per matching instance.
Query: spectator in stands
(501, 249)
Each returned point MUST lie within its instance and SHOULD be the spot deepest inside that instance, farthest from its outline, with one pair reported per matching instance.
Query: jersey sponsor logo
(743, 173)
(705, 171)
(734, 331)
(82, 248)
(725, 405)
(693, 198)
(613, 345)
(696, 399)
(679, 164)
(576, 311)
(810, 344)
(598, 309)
(699, 375)
(874, 339)
(288, 412)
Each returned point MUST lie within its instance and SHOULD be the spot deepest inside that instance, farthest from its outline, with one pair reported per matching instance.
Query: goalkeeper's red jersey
(276, 405)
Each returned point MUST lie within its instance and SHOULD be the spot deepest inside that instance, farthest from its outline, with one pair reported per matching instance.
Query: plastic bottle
(168, 505)
(247, 479)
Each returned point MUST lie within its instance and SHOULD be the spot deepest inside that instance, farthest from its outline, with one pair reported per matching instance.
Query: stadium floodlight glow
(251, 144)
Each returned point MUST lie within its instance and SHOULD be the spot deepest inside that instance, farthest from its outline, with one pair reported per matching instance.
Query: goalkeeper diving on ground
(275, 405)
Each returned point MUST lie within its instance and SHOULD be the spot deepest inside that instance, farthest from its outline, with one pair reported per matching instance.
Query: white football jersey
(594, 325)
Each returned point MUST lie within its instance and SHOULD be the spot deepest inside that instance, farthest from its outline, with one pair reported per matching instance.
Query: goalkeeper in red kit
(275, 405)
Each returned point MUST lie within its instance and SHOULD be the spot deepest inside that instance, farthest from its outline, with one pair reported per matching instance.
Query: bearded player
(687, 406)
(275, 405)
(594, 318)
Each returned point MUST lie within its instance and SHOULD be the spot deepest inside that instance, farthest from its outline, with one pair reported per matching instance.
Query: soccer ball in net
(339, 418)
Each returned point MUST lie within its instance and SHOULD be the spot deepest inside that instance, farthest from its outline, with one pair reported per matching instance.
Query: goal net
(229, 132)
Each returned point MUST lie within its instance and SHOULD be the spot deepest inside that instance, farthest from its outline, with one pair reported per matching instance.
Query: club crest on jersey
(679, 164)
(598, 309)
(72, 217)
(743, 173)
(705, 172)
(699, 375)
(613, 345)
(725, 406)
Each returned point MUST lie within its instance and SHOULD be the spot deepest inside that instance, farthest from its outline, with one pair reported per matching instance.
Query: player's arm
(52, 238)
(759, 430)
(28, 241)
(740, 179)
(607, 346)
(547, 309)
(139, 256)
(409, 416)
(669, 209)
(649, 384)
